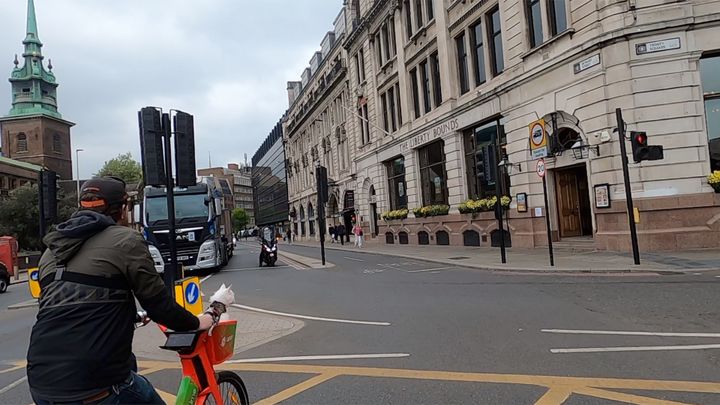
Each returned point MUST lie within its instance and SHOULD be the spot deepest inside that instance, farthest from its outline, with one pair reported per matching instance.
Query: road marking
(634, 349)
(296, 389)
(321, 357)
(353, 259)
(13, 368)
(312, 318)
(554, 396)
(205, 278)
(253, 268)
(624, 397)
(166, 396)
(12, 385)
(427, 270)
(629, 333)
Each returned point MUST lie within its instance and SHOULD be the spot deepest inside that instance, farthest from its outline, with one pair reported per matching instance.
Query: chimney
(233, 166)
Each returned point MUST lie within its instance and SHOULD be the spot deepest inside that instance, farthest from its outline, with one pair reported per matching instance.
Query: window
(57, 143)
(476, 35)
(391, 104)
(710, 79)
(480, 159)
(432, 173)
(361, 70)
(558, 16)
(415, 94)
(21, 145)
(424, 69)
(397, 103)
(391, 32)
(418, 13)
(396, 182)
(534, 16)
(496, 49)
(408, 19)
(366, 125)
(437, 88)
(363, 122)
(383, 103)
(462, 63)
(378, 49)
(430, 11)
(385, 42)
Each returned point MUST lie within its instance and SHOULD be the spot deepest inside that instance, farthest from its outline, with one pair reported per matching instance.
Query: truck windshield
(186, 206)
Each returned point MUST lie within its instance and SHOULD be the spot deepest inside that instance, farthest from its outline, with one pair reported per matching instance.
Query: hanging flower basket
(714, 180)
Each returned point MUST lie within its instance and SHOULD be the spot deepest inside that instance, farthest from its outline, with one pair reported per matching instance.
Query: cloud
(224, 61)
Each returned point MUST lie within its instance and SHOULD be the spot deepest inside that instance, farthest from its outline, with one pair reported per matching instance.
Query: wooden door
(568, 203)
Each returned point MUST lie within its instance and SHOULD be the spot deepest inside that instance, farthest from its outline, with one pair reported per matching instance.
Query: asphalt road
(429, 333)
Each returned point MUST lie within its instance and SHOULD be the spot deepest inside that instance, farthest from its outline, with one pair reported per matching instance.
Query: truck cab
(198, 226)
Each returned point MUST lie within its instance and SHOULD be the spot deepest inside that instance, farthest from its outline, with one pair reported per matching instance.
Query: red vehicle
(8, 258)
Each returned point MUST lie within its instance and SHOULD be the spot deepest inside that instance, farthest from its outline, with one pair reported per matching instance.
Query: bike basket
(221, 344)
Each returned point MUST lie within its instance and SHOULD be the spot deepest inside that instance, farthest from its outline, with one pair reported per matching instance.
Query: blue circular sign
(192, 293)
(34, 275)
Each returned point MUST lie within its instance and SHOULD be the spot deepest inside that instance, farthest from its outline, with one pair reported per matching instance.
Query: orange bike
(199, 352)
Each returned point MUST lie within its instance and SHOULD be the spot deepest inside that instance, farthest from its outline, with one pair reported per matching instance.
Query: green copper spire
(34, 90)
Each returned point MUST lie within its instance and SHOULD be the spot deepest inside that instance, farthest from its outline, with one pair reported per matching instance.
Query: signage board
(188, 294)
(586, 64)
(538, 139)
(657, 46)
(540, 168)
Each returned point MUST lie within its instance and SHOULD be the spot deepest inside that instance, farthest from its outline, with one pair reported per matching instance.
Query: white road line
(253, 268)
(321, 357)
(426, 270)
(634, 349)
(353, 259)
(630, 333)
(312, 318)
(717, 276)
(12, 385)
(202, 280)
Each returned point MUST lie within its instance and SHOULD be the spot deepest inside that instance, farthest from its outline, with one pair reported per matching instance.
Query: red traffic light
(641, 138)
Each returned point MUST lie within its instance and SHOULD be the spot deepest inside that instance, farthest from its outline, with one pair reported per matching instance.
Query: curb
(522, 269)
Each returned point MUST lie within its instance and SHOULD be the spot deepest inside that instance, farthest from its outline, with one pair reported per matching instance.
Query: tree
(240, 219)
(124, 167)
(20, 215)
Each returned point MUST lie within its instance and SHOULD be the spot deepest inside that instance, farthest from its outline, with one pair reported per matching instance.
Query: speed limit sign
(540, 168)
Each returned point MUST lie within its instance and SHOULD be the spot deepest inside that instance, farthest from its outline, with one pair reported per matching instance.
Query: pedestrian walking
(289, 236)
(358, 232)
(331, 231)
(340, 232)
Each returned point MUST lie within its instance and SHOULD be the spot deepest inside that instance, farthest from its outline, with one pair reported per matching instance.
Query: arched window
(471, 238)
(403, 238)
(567, 137)
(21, 144)
(423, 238)
(57, 143)
(442, 238)
(389, 238)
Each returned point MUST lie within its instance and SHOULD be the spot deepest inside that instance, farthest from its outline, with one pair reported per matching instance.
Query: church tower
(34, 131)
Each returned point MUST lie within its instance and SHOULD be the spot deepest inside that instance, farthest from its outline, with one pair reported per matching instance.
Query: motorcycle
(268, 248)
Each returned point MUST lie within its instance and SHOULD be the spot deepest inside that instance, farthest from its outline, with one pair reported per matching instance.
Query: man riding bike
(91, 273)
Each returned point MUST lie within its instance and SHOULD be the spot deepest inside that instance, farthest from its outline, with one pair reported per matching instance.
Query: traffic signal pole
(628, 191)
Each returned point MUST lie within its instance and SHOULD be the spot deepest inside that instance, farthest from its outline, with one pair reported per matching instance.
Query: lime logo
(537, 134)
(192, 293)
(34, 275)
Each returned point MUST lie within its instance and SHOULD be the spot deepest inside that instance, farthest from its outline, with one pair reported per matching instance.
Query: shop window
(471, 238)
(403, 238)
(21, 145)
(710, 79)
(481, 145)
(396, 182)
(389, 238)
(423, 238)
(432, 173)
(495, 238)
(442, 238)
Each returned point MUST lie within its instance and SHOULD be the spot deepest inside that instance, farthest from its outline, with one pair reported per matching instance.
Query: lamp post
(77, 172)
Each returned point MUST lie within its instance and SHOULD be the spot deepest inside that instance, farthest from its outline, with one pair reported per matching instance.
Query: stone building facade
(452, 89)
(240, 180)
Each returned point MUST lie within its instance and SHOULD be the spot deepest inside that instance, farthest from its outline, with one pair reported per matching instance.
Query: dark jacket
(81, 343)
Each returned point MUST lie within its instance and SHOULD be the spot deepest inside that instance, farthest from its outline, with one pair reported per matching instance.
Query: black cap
(101, 193)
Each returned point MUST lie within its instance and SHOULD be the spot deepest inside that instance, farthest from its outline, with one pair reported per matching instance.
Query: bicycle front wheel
(232, 390)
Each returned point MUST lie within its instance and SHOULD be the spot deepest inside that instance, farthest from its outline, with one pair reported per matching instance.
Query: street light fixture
(77, 172)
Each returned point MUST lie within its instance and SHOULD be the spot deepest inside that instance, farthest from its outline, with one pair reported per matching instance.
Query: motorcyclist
(91, 273)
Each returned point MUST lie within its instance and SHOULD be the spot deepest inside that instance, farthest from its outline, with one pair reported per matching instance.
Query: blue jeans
(136, 390)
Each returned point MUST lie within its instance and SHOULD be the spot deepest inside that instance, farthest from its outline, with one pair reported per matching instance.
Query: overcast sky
(224, 61)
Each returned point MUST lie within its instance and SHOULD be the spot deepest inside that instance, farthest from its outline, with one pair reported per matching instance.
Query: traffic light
(49, 195)
(485, 164)
(641, 150)
(322, 182)
(151, 146)
(184, 149)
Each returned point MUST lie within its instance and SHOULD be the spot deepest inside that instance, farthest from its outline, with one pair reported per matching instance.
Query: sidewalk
(537, 260)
